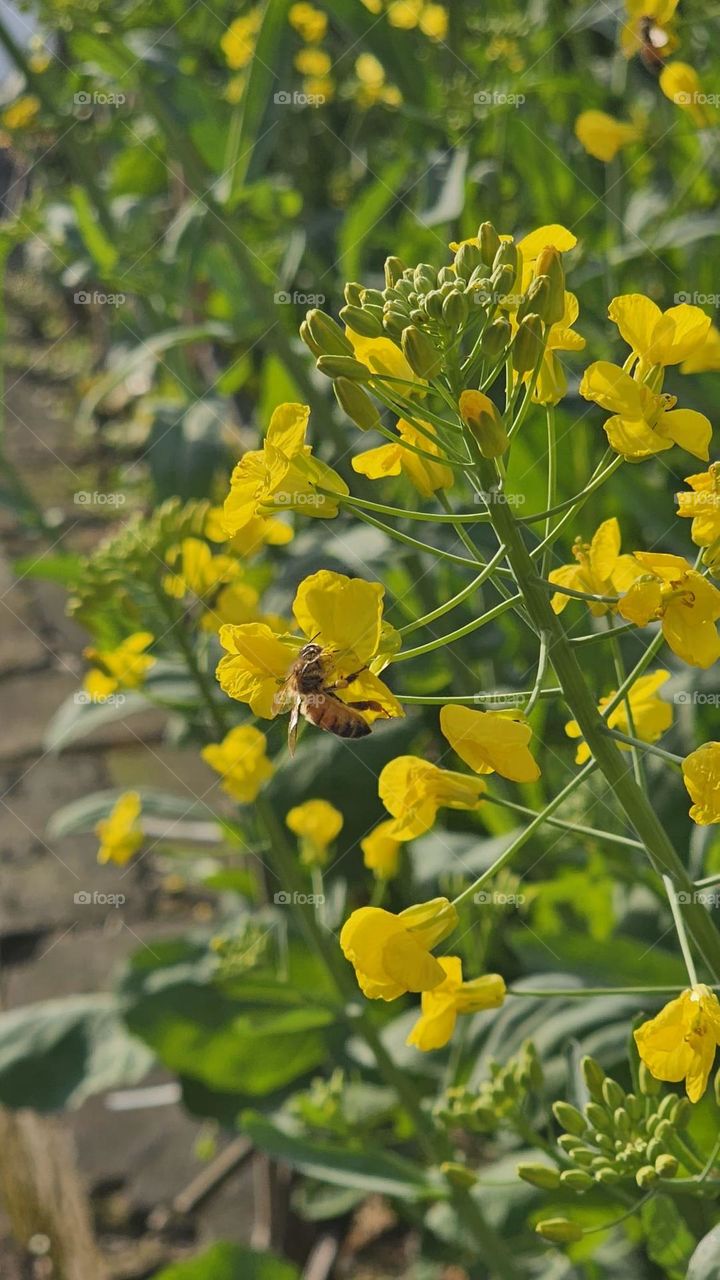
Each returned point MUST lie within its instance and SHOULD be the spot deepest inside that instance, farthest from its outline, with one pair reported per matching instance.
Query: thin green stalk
(496, 701)
(575, 828)
(442, 609)
(432, 517)
(680, 929)
(581, 992)
(591, 596)
(638, 745)
(577, 506)
(441, 641)
(594, 483)
(620, 676)
(409, 541)
(597, 636)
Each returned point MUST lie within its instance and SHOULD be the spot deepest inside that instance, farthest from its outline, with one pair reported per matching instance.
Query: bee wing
(293, 728)
(284, 698)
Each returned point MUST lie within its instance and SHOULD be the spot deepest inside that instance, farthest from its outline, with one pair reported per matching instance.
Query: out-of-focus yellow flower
(235, 604)
(649, 24)
(491, 741)
(283, 474)
(644, 422)
(242, 760)
(679, 1043)
(701, 774)
(122, 668)
(405, 14)
(258, 532)
(316, 823)
(687, 605)
(238, 42)
(381, 850)
(391, 954)
(702, 506)
(659, 337)
(234, 89)
(120, 834)
(442, 1004)
(373, 88)
(309, 22)
(21, 113)
(343, 616)
(433, 21)
(392, 459)
(199, 572)
(603, 136)
(649, 716)
(321, 88)
(413, 790)
(313, 62)
(599, 569)
(706, 358)
(681, 84)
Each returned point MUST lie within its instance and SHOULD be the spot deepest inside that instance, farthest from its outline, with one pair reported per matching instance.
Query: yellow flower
(21, 113)
(413, 790)
(316, 823)
(433, 21)
(259, 531)
(382, 356)
(391, 954)
(602, 135)
(313, 62)
(653, 17)
(706, 358)
(442, 1004)
(381, 850)
(687, 605)
(701, 774)
(681, 84)
(644, 422)
(309, 22)
(238, 42)
(599, 569)
(680, 1042)
(490, 741)
(120, 834)
(702, 505)
(552, 382)
(121, 668)
(242, 760)
(281, 474)
(343, 616)
(404, 14)
(235, 604)
(649, 715)
(320, 87)
(200, 572)
(394, 459)
(659, 337)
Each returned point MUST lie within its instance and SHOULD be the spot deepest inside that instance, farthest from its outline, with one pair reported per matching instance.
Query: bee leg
(293, 729)
(366, 705)
(344, 681)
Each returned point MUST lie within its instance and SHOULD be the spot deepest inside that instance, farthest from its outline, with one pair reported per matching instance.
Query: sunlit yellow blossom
(706, 358)
(687, 605)
(599, 569)
(681, 84)
(442, 1004)
(120, 834)
(313, 62)
(490, 741)
(258, 532)
(281, 475)
(392, 459)
(702, 505)
(649, 23)
(644, 422)
(680, 1042)
(413, 790)
(198, 573)
(122, 668)
(603, 136)
(701, 774)
(381, 850)
(373, 88)
(21, 113)
(649, 716)
(316, 823)
(404, 14)
(391, 954)
(343, 616)
(242, 760)
(383, 357)
(433, 21)
(309, 22)
(238, 42)
(659, 337)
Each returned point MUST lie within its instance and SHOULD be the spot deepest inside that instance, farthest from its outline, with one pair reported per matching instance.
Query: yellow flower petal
(490, 741)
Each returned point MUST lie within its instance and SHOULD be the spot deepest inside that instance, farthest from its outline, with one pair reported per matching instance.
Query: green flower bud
(652, 1123)
(327, 334)
(549, 263)
(598, 1116)
(393, 271)
(559, 1230)
(361, 320)
(418, 316)
(496, 338)
(633, 1106)
(613, 1094)
(664, 1130)
(446, 275)
(489, 242)
(570, 1118)
(583, 1156)
(455, 310)
(621, 1122)
(666, 1166)
(420, 353)
(666, 1105)
(571, 1144)
(576, 1179)
(507, 256)
(309, 341)
(603, 1141)
(536, 299)
(682, 1112)
(434, 304)
(353, 293)
(501, 282)
(356, 403)
(467, 258)
(539, 1175)
(343, 367)
(600, 1162)
(458, 1175)
(395, 322)
(593, 1075)
(485, 425)
(607, 1175)
(372, 298)
(654, 1149)
(646, 1176)
(404, 288)
(528, 345)
(648, 1084)
(425, 277)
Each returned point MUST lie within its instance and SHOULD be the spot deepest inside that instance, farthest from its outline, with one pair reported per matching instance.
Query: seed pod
(576, 1179)
(361, 321)
(393, 271)
(495, 338)
(455, 310)
(353, 293)
(613, 1094)
(593, 1075)
(646, 1176)
(488, 430)
(570, 1118)
(420, 353)
(327, 334)
(549, 263)
(467, 258)
(489, 242)
(536, 299)
(559, 1230)
(424, 277)
(539, 1175)
(666, 1166)
(308, 340)
(648, 1084)
(528, 345)
(343, 367)
(356, 403)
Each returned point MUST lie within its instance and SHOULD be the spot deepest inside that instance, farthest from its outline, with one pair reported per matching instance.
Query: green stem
(482, 621)
(456, 599)
(415, 542)
(594, 833)
(497, 701)
(680, 927)
(571, 503)
(638, 745)
(581, 992)
(399, 513)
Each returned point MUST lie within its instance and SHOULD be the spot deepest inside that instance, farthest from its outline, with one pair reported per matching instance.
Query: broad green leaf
(78, 716)
(668, 1241)
(225, 1261)
(261, 79)
(102, 251)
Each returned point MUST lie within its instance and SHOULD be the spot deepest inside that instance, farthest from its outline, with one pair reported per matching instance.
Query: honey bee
(309, 690)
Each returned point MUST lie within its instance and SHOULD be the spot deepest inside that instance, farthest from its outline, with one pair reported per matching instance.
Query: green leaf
(668, 1241)
(102, 251)
(262, 76)
(226, 1261)
(705, 1261)
(82, 814)
(186, 450)
(77, 717)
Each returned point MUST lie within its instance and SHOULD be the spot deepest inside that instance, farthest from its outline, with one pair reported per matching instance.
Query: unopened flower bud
(372, 298)
(576, 1179)
(648, 1084)
(361, 320)
(484, 422)
(666, 1106)
(489, 242)
(559, 1230)
(598, 1116)
(682, 1112)
(613, 1094)
(424, 277)
(420, 352)
(393, 271)
(570, 1143)
(343, 367)
(572, 1120)
(455, 310)
(646, 1176)
(536, 299)
(549, 263)
(665, 1129)
(327, 334)
(528, 345)
(593, 1075)
(467, 258)
(395, 322)
(507, 255)
(607, 1175)
(356, 403)
(621, 1122)
(446, 275)
(539, 1175)
(633, 1106)
(666, 1166)
(353, 293)
(309, 341)
(458, 1174)
(496, 338)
